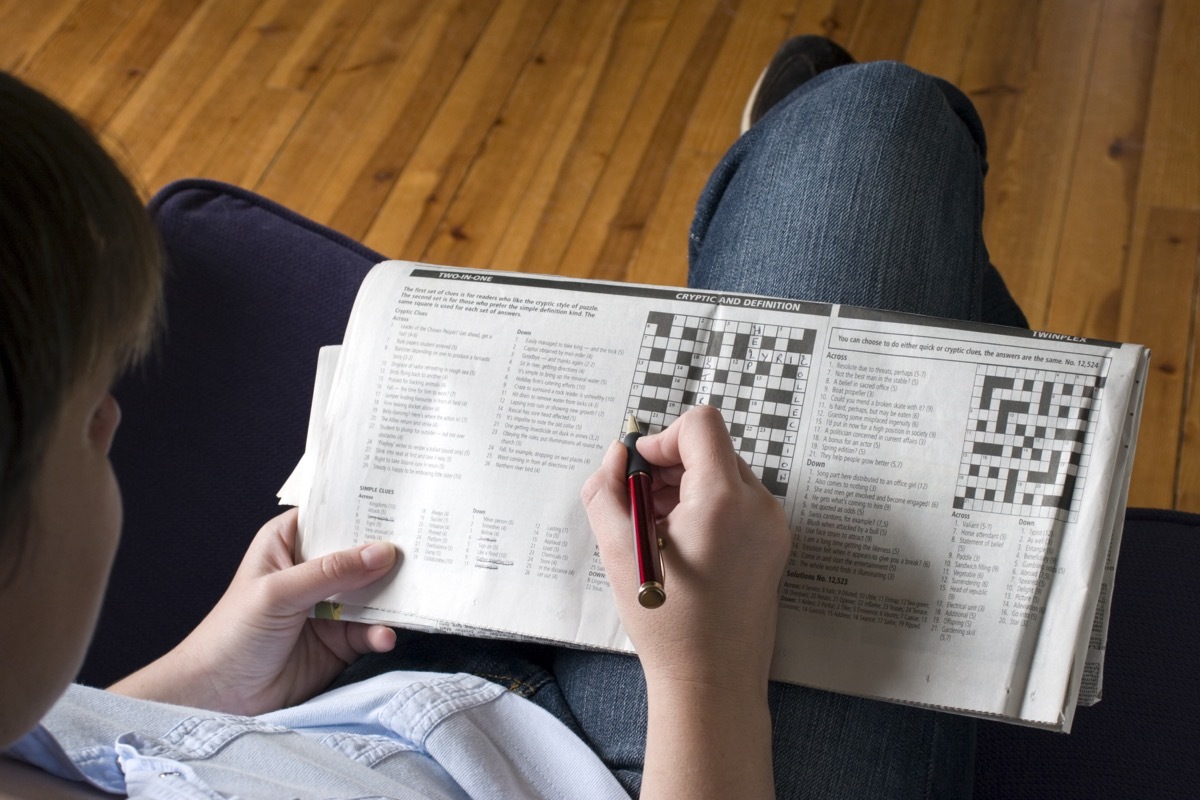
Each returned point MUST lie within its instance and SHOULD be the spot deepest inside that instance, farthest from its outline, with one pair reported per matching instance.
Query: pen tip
(632, 425)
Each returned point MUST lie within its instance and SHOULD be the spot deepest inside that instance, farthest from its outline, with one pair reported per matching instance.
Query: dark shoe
(796, 60)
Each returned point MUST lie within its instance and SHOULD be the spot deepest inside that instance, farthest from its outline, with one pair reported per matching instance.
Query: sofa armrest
(1140, 740)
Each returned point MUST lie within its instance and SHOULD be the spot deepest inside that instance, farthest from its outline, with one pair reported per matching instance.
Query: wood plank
(428, 74)
(126, 59)
(996, 73)
(27, 28)
(941, 38)
(248, 104)
(153, 109)
(370, 109)
(1171, 164)
(232, 89)
(1089, 275)
(1164, 284)
(1187, 482)
(319, 47)
(271, 111)
(834, 19)
(584, 146)
(712, 127)
(1170, 178)
(429, 181)
(77, 43)
(882, 30)
(1027, 188)
(633, 176)
(650, 186)
(550, 86)
(242, 148)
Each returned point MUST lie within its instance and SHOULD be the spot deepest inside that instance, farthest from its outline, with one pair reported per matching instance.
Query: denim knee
(885, 101)
(864, 186)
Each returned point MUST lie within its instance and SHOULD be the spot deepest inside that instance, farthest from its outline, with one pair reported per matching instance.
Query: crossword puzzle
(755, 374)
(1028, 441)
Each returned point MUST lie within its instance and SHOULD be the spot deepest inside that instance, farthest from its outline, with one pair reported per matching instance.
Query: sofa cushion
(215, 420)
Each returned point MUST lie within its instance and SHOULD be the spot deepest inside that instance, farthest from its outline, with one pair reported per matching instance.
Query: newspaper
(955, 490)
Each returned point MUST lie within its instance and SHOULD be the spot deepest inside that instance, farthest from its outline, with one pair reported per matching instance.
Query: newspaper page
(955, 490)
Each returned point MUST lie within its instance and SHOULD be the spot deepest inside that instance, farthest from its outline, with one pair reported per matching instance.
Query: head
(80, 298)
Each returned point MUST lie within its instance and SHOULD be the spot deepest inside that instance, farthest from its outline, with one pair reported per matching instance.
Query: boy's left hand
(258, 650)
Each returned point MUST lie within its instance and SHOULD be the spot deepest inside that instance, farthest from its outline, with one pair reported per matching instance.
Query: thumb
(302, 586)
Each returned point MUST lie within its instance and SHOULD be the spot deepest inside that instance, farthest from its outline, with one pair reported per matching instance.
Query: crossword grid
(755, 374)
(1028, 441)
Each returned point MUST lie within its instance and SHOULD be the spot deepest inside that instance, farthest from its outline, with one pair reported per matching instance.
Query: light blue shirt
(399, 735)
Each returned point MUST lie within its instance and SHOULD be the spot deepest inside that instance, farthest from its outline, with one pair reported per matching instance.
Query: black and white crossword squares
(755, 374)
(1028, 441)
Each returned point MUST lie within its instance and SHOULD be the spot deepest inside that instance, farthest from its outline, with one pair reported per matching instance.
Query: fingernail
(378, 555)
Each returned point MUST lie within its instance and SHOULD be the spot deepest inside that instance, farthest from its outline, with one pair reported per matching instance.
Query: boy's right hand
(727, 542)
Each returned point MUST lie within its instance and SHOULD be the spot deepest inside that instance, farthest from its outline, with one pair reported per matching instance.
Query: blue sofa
(215, 421)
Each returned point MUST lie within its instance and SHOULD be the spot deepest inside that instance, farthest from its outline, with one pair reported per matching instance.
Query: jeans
(865, 187)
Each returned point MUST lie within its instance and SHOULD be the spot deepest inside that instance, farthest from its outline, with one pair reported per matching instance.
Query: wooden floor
(573, 136)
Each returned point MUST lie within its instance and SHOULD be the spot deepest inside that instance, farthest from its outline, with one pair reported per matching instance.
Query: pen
(645, 535)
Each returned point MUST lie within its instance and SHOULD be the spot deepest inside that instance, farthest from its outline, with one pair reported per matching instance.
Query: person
(854, 183)
(80, 281)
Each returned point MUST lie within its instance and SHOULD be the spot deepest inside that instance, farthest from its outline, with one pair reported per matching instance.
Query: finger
(746, 471)
(381, 639)
(699, 441)
(671, 475)
(665, 500)
(346, 641)
(605, 498)
(300, 587)
(606, 501)
(272, 547)
(367, 638)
